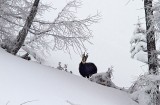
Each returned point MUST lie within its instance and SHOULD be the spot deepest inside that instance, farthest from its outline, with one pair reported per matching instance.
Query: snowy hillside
(23, 82)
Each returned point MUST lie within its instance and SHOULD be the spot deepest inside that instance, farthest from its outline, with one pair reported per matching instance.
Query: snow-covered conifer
(139, 44)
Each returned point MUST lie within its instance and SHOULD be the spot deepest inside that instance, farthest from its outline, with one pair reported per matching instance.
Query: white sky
(111, 38)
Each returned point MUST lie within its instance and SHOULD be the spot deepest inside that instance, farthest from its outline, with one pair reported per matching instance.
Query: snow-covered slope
(23, 81)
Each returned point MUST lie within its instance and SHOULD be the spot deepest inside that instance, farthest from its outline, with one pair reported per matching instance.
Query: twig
(7, 102)
(71, 103)
(28, 102)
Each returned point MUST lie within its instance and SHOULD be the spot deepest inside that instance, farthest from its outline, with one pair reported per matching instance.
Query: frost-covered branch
(14, 14)
(63, 33)
(66, 30)
(37, 54)
(143, 87)
(105, 79)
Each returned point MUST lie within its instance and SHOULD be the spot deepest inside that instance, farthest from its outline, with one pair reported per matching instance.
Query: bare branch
(28, 102)
(66, 30)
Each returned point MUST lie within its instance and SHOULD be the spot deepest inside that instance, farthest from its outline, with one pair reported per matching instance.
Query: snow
(142, 97)
(144, 87)
(138, 47)
(105, 78)
(142, 56)
(24, 81)
(138, 37)
(102, 78)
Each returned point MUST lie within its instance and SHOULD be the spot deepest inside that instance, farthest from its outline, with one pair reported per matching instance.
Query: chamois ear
(83, 55)
(83, 58)
(86, 56)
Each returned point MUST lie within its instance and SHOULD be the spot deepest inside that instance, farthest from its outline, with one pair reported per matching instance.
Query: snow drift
(24, 82)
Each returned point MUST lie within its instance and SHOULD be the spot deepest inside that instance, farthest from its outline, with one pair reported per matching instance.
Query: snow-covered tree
(13, 15)
(105, 79)
(139, 44)
(64, 32)
(145, 47)
(18, 42)
(143, 88)
(151, 48)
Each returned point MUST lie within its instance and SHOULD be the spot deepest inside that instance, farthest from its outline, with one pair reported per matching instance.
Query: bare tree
(151, 48)
(64, 32)
(12, 17)
(23, 33)
(146, 44)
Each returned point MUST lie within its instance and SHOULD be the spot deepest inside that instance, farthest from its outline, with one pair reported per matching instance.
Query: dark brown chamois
(87, 69)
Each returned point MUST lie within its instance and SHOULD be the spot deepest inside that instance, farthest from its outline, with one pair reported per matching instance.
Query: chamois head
(84, 58)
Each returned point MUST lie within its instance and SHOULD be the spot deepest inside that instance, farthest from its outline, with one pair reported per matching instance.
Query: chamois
(87, 69)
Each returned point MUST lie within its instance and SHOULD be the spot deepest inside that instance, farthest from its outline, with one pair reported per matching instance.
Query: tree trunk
(23, 33)
(151, 47)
